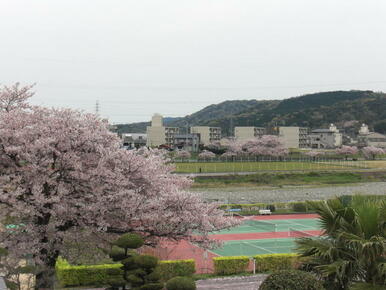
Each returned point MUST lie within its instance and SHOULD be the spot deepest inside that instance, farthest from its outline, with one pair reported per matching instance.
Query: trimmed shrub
(111, 274)
(275, 262)
(93, 275)
(170, 269)
(299, 207)
(291, 280)
(230, 265)
(181, 283)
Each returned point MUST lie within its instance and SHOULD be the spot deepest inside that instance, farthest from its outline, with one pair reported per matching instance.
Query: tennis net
(261, 225)
(293, 233)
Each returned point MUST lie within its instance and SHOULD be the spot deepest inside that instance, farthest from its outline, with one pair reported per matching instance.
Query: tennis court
(256, 247)
(259, 226)
(262, 235)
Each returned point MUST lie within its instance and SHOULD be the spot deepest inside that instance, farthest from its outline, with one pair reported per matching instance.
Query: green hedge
(264, 263)
(86, 275)
(99, 275)
(275, 262)
(174, 268)
(230, 265)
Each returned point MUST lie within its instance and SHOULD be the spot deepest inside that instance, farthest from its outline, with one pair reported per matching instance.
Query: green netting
(261, 225)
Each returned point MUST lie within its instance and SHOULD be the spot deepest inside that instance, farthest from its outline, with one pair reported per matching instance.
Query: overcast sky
(174, 56)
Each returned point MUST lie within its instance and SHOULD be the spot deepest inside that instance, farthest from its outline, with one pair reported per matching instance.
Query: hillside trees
(63, 174)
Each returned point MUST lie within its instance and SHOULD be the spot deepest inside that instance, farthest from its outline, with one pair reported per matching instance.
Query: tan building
(246, 133)
(367, 138)
(158, 135)
(294, 137)
(207, 134)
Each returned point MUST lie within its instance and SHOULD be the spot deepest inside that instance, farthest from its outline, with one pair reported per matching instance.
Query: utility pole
(232, 133)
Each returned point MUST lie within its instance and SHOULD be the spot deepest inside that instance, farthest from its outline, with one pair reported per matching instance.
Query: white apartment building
(294, 137)
(325, 138)
(246, 133)
(133, 140)
(207, 134)
(158, 135)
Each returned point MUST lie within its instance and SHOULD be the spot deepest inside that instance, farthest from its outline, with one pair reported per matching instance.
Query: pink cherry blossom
(206, 155)
(347, 150)
(183, 154)
(314, 153)
(372, 152)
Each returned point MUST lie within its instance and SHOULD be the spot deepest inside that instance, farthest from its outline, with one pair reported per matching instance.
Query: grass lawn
(210, 167)
(281, 179)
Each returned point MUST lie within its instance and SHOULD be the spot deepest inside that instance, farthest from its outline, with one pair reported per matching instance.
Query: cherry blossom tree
(372, 152)
(206, 155)
(267, 145)
(183, 154)
(63, 173)
(15, 96)
(314, 154)
(347, 150)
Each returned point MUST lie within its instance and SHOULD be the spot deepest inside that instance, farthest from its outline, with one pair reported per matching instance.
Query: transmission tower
(97, 107)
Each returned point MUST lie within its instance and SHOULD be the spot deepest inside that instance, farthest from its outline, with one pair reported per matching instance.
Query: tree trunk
(45, 279)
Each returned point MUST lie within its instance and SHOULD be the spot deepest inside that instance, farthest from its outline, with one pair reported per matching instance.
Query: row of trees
(272, 146)
(265, 146)
(63, 175)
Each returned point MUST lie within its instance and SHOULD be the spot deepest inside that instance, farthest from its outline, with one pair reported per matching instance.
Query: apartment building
(325, 138)
(207, 134)
(158, 135)
(294, 137)
(246, 133)
(188, 142)
(133, 140)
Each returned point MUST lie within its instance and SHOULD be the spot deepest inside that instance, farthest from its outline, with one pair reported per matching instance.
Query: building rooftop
(322, 131)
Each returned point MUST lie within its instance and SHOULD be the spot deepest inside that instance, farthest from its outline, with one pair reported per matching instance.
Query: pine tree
(138, 270)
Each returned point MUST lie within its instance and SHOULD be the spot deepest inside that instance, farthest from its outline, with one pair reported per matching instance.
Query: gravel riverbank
(288, 193)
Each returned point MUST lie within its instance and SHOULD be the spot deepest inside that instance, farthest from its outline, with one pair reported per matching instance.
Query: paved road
(232, 283)
(288, 193)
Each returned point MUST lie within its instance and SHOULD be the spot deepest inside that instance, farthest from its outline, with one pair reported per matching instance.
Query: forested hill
(345, 108)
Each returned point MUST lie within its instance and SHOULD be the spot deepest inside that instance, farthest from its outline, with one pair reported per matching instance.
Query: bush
(152, 286)
(291, 280)
(181, 283)
(271, 207)
(230, 265)
(299, 207)
(93, 275)
(170, 269)
(275, 262)
(365, 286)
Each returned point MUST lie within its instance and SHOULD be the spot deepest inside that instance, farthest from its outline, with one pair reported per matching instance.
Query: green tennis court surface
(272, 236)
(256, 226)
(256, 247)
